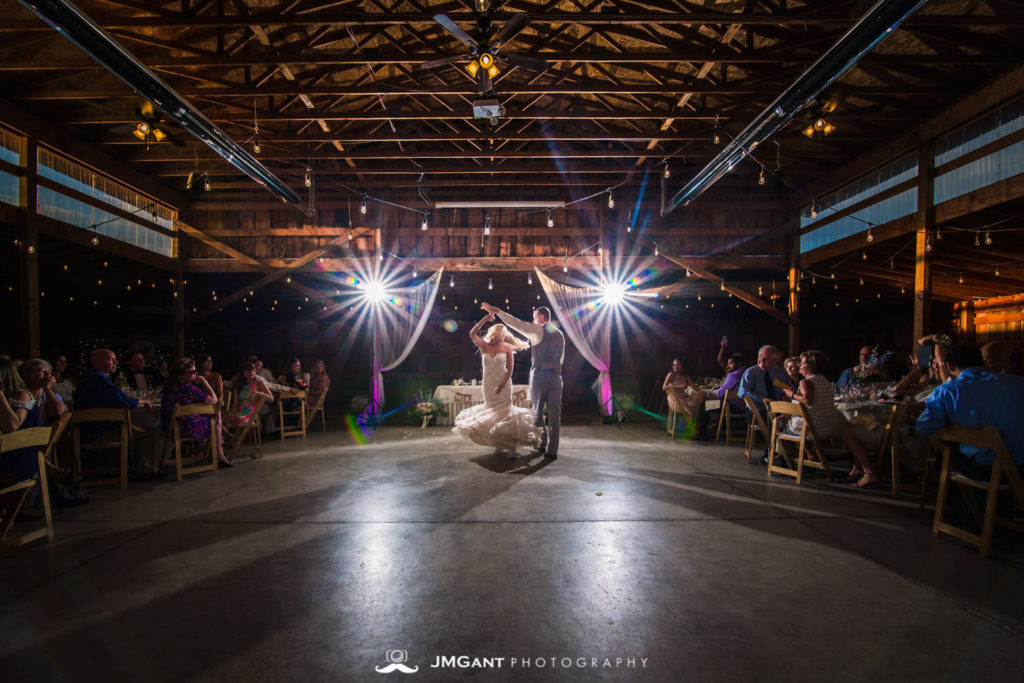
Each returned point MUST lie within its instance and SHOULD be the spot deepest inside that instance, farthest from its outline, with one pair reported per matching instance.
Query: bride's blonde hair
(516, 343)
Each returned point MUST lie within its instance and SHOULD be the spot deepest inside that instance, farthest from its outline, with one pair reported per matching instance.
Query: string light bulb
(892, 264)
(451, 281)
(861, 281)
(814, 210)
(551, 219)
(565, 267)
(95, 241)
(864, 255)
(362, 206)
(256, 145)
(206, 184)
(871, 237)
(977, 239)
(656, 252)
(424, 225)
(629, 228)
(490, 283)
(487, 225)
(529, 278)
(938, 234)
(309, 177)
(961, 278)
(997, 270)
(611, 200)
(988, 238)
(761, 179)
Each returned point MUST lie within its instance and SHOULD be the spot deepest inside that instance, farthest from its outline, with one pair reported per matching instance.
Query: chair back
(186, 409)
(122, 416)
(25, 438)
(102, 415)
(807, 433)
(988, 438)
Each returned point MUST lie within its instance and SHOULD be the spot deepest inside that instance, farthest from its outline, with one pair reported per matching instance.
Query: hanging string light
(551, 219)
(961, 278)
(988, 238)
(864, 256)
(256, 128)
(424, 225)
(667, 172)
(309, 177)
(451, 282)
(814, 210)
(977, 239)
(861, 281)
(490, 283)
(565, 266)
(611, 200)
(656, 252)
(629, 228)
(997, 270)
(871, 237)
(362, 206)
(487, 225)
(529, 278)
(761, 178)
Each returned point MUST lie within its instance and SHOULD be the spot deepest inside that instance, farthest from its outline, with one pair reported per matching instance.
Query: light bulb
(928, 245)
(938, 234)
(629, 228)
(565, 267)
(656, 252)
(95, 240)
(892, 264)
(698, 297)
(451, 282)
(814, 210)
(362, 206)
(414, 273)
(32, 249)
(722, 287)
(717, 139)
(871, 237)
(309, 178)
(423, 226)
(487, 229)
(760, 178)
(667, 172)
(997, 269)
(977, 240)
(687, 272)
(903, 290)
(611, 200)
(256, 146)
(961, 278)
(206, 184)
(862, 281)
(529, 278)
(490, 283)
(551, 220)
(863, 256)
(988, 238)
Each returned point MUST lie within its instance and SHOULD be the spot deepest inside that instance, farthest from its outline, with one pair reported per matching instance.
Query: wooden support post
(794, 294)
(925, 220)
(179, 303)
(966, 333)
(28, 251)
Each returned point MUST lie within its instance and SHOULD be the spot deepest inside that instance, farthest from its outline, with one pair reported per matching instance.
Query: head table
(446, 394)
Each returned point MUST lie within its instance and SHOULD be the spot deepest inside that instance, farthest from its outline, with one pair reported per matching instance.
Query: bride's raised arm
(474, 337)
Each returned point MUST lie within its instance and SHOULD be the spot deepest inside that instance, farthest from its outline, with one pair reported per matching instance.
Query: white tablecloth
(446, 394)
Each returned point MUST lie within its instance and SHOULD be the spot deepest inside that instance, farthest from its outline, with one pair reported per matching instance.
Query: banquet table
(868, 414)
(445, 393)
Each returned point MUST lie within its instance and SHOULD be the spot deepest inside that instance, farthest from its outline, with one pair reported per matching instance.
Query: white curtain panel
(588, 330)
(397, 326)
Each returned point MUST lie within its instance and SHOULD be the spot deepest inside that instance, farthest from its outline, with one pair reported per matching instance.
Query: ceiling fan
(484, 51)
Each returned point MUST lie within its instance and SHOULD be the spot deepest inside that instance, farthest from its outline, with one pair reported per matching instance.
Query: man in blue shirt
(97, 391)
(758, 381)
(976, 398)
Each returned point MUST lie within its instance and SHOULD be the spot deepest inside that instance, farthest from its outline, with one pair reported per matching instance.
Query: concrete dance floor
(632, 557)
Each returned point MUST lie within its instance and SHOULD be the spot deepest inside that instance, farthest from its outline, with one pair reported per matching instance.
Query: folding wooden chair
(1003, 468)
(754, 427)
(227, 401)
(727, 417)
(204, 462)
(807, 433)
(300, 427)
(252, 427)
(318, 407)
(12, 496)
(121, 439)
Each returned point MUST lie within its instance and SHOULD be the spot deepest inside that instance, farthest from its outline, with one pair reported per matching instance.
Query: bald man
(996, 356)
(97, 391)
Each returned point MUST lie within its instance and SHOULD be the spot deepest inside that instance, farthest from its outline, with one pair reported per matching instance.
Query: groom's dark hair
(544, 311)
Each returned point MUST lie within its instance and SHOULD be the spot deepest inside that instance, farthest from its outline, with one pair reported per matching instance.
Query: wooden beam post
(794, 294)
(28, 251)
(925, 220)
(967, 333)
(179, 303)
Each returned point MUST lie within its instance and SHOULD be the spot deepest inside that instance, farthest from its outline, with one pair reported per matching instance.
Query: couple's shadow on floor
(523, 464)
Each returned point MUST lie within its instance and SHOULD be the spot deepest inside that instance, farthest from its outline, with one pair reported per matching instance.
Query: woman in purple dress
(185, 386)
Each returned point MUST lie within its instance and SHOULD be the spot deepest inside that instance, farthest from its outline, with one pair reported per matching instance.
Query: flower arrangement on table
(426, 407)
(875, 366)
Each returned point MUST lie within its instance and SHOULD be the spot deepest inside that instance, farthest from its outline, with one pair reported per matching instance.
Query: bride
(496, 422)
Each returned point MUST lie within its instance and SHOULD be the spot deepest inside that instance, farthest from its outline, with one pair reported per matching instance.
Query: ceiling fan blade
(517, 23)
(454, 29)
(531, 63)
(434, 63)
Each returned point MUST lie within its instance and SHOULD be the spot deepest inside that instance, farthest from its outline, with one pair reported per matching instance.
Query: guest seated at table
(764, 380)
(266, 374)
(919, 382)
(185, 387)
(734, 367)
(292, 377)
(249, 388)
(32, 403)
(792, 368)
(864, 371)
(204, 364)
(63, 382)
(687, 398)
(996, 356)
(97, 391)
(318, 383)
(139, 376)
(976, 398)
(11, 385)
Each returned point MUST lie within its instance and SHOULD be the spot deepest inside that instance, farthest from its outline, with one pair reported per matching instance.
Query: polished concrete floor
(632, 557)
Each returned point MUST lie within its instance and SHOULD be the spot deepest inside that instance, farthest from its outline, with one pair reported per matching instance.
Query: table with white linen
(868, 414)
(445, 393)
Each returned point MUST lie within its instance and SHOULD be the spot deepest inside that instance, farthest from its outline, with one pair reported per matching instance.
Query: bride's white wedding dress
(496, 423)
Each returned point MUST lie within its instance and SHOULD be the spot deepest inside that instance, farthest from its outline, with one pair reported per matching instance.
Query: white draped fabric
(397, 326)
(588, 329)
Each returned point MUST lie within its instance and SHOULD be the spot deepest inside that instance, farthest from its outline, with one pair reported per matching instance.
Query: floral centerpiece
(875, 367)
(426, 407)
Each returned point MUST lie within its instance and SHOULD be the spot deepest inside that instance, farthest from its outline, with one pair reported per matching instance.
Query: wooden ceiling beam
(464, 265)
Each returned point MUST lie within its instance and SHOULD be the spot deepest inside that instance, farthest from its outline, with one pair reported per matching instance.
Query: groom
(547, 344)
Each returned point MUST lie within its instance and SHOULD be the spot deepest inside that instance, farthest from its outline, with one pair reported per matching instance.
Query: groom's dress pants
(546, 395)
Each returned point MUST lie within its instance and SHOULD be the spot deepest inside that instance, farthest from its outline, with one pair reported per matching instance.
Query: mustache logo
(396, 667)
